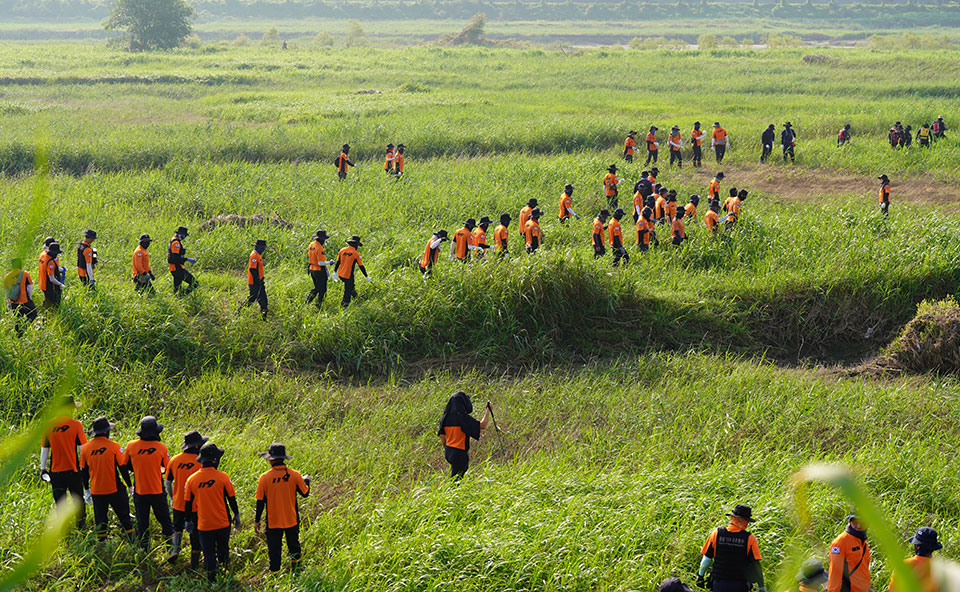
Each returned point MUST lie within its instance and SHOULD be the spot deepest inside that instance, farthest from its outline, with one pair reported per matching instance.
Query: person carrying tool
(342, 162)
(675, 143)
(653, 146)
(566, 205)
(147, 458)
(532, 233)
(87, 258)
(925, 543)
(734, 556)
(181, 467)
(690, 210)
(206, 495)
(766, 142)
(599, 236)
(140, 273)
(646, 229)
(500, 236)
(399, 161)
(719, 141)
(102, 465)
(939, 128)
(843, 136)
(317, 267)
(431, 251)
(678, 229)
(924, 135)
(712, 218)
(610, 185)
(277, 492)
(884, 195)
(457, 426)
(176, 257)
(51, 276)
(629, 146)
(18, 288)
(850, 559)
(616, 239)
(463, 242)
(480, 236)
(697, 136)
(60, 446)
(255, 280)
(525, 212)
(347, 258)
(713, 191)
(388, 159)
(811, 577)
(788, 141)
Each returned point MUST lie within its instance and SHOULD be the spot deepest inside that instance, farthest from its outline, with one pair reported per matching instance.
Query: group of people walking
(901, 136)
(718, 141)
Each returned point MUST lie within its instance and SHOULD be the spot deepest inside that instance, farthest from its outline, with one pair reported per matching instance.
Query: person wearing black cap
(599, 236)
(677, 228)
(532, 233)
(811, 577)
(719, 141)
(788, 141)
(925, 543)
(18, 287)
(766, 142)
(480, 236)
(646, 229)
(255, 279)
(843, 136)
(610, 185)
(884, 194)
(457, 426)
(629, 146)
(399, 161)
(713, 190)
(277, 492)
(697, 136)
(907, 137)
(388, 159)
(463, 242)
(566, 205)
(181, 467)
(430, 252)
(525, 213)
(176, 257)
(205, 493)
(500, 236)
(616, 239)
(140, 273)
(147, 458)
(102, 465)
(712, 218)
(690, 210)
(51, 276)
(924, 135)
(60, 446)
(733, 554)
(675, 143)
(850, 558)
(652, 145)
(342, 162)
(347, 259)
(317, 265)
(87, 258)
(939, 128)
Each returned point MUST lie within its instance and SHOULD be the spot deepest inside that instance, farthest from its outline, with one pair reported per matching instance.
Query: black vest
(730, 559)
(176, 258)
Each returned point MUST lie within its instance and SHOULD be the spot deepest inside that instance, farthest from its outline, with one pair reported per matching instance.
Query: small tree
(707, 41)
(728, 42)
(356, 36)
(323, 39)
(271, 37)
(151, 24)
(473, 32)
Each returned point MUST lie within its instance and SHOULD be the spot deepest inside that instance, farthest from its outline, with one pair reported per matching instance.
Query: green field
(639, 403)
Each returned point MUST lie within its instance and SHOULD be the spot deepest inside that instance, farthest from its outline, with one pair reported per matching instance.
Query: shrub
(192, 41)
(728, 42)
(241, 40)
(271, 37)
(323, 39)
(930, 342)
(707, 41)
(356, 36)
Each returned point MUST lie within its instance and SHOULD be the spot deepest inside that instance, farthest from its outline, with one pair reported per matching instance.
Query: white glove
(368, 278)
(87, 497)
(335, 279)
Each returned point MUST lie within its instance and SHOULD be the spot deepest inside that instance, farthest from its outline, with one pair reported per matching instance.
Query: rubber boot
(194, 559)
(175, 546)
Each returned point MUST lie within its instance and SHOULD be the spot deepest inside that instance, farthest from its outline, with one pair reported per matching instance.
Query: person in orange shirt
(532, 231)
(610, 185)
(463, 242)
(678, 229)
(712, 218)
(675, 142)
(431, 251)
(645, 229)
(652, 145)
(206, 496)
(399, 161)
(342, 162)
(652, 177)
(388, 160)
(60, 447)
(277, 492)
(347, 259)
(884, 194)
(103, 464)
(713, 191)
(690, 210)
(850, 559)
(181, 467)
(50, 276)
(697, 136)
(566, 205)
(255, 283)
(733, 555)
(629, 146)
(616, 239)
(671, 205)
(599, 234)
(660, 206)
(317, 265)
(480, 236)
(525, 213)
(87, 258)
(811, 577)
(457, 426)
(500, 236)
(147, 458)
(140, 272)
(18, 287)
(719, 141)
(733, 205)
(176, 257)
(925, 543)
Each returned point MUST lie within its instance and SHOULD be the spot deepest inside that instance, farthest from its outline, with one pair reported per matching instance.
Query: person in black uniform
(733, 555)
(457, 426)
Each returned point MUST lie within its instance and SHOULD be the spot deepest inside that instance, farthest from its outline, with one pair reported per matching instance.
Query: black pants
(425, 270)
(598, 251)
(924, 143)
(697, 155)
(620, 253)
(884, 208)
(319, 290)
(612, 201)
(651, 156)
(730, 586)
(275, 538)
(789, 150)
(26, 310)
(64, 482)
(341, 175)
(258, 294)
(628, 157)
(142, 504)
(179, 522)
(181, 275)
(676, 155)
(52, 296)
(644, 247)
(720, 150)
(534, 245)
(84, 280)
(766, 152)
(121, 507)
(459, 461)
(143, 283)
(349, 291)
(216, 550)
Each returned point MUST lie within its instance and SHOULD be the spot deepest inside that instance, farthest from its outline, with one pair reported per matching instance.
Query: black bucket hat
(400, 146)
(788, 124)
(612, 168)
(484, 220)
(505, 219)
(149, 426)
(536, 213)
(260, 244)
(742, 511)
(632, 133)
(182, 231)
(321, 235)
(145, 238)
(354, 241)
(390, 145)
(568, 189)
(654, 171)
(193, 439)
(720, 175)
(618, 213)
(532, 202)
(54, 249)
(470, 223)
(812, 572)
(441, 233)
(884, 178)
(101, 426)
(277, 451)
(673, 585)
(604, 213)
(695, 199)
(209, 452)
(90, 233)
(927, 539)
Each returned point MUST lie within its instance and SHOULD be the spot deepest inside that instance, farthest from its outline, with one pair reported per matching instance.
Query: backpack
(936, 127)
(13, 292)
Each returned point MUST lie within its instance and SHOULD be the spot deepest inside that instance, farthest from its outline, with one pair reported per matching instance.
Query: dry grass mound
(245, 221)
(929, 343)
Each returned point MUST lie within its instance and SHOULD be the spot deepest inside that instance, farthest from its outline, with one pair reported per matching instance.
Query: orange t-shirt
(678, 227)
(690, 212)
(429, 255)
(660, 208)
(347, 258)
(141, 261)
(388, 159)
(719, 135)
(598, 229)
(733, 207)
(278, 487)
(316, 255)
(207, 490)
(87, 258)
(651, 141)
(565, 202)
(644, 224)
(885, 193)
(461, 240)
(175, 249)
(921, 568)
(500, 237)
(256, 264)
(629, 145)
(610, 185)
(148, 459)
(697, 136)
(710, 220)
(181, 467)
(615, 231)
(676, 140)
(524, 216)
(65, 435)
(479, 236)
(671, 210)
(48, 267)
(11, 278)
(102, 457)
(398, 162)
(713, 191)
(531, 231)
(637, 202)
